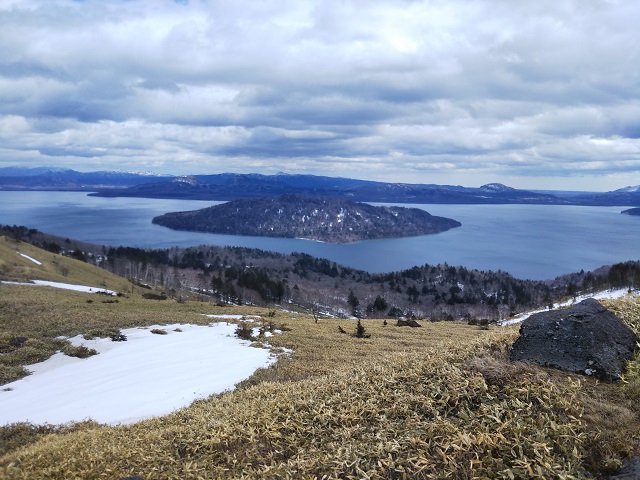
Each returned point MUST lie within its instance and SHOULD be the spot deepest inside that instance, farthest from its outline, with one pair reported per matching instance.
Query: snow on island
(146, 376)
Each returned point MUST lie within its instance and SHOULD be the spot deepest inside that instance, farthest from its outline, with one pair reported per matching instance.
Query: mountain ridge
(230, 186)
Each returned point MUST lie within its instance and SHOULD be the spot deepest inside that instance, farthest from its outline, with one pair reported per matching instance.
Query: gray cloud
(416, 91)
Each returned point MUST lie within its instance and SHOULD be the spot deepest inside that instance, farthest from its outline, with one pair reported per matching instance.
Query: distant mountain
(47, 178)
(28, 171)
(230, 186)
(314, 218)
(627, 196)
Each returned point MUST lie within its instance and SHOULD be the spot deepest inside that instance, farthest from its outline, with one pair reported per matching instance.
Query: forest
(257, 277)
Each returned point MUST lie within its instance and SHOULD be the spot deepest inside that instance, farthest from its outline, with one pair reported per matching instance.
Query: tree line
(254, 276)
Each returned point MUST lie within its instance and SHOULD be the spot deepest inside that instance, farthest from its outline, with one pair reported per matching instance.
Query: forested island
(313, 218)
(631, 211)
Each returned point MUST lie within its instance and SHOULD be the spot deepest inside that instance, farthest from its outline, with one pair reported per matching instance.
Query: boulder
(585, 338)
(404, 322)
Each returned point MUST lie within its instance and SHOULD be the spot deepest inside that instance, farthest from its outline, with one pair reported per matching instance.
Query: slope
(433, 402)
(20, 261)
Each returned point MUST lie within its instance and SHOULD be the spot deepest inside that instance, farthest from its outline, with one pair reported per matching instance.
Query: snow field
(65, 286)
(148, 375)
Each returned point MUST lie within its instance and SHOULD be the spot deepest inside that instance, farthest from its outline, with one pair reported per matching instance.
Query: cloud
(402, 90)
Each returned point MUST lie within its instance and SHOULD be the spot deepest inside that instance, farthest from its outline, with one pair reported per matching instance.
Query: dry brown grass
(55, 268)
(441, 401)
(419, 414)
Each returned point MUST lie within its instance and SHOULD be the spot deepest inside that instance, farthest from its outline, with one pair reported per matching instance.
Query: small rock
(407, 323)
(18, 341)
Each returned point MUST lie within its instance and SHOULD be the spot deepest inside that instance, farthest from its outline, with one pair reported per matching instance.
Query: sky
(541, 94)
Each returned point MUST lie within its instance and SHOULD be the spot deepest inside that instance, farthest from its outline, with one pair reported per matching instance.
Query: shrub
(267, 327)
(11, 373)
(79, 351)
(244, 331)
(18, 341)
(360, 331)
(154, 296)
(16, 435)
(483, 324)
(119, 337)
(159, 331)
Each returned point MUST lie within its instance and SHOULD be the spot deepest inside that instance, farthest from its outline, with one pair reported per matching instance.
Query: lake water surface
(528, 241)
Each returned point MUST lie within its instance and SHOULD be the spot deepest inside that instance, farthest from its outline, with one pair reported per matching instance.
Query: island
(632, 211)
(322, 219)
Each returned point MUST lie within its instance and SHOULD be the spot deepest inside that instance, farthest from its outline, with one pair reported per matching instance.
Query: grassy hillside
(55, 268)
(432, 402)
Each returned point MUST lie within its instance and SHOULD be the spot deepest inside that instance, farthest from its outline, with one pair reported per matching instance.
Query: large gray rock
(586, 338)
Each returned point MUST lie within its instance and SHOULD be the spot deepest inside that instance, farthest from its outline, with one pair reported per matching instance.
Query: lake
(529, 241)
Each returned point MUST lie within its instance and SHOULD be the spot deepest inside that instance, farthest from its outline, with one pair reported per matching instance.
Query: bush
(154, 296)
(79, 352)
(16, 435)
(159, 331)
(360, 331)
(119, 337)
(244, 331)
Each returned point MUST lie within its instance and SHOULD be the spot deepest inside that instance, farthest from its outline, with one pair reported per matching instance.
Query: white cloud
(484, 88)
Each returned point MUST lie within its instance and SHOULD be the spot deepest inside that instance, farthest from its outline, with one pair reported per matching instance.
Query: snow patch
(29, 258)
(65, 286)
(631, 189)
(146, 376)
(233, 317)
(608, 294)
